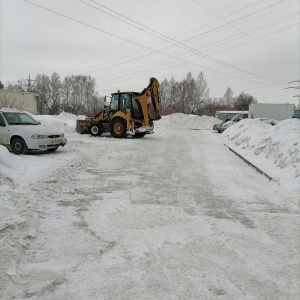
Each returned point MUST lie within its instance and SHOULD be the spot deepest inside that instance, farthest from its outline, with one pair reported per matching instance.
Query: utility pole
(29, 84)
(294, 87)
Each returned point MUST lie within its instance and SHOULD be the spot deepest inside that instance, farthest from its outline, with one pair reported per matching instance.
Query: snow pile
(183, 121)
(273, 149)
(9, 162)
(65, 122)
(10, 166)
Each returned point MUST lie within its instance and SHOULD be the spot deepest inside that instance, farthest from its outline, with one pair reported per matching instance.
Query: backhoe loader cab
(128, 114)
(125, 101)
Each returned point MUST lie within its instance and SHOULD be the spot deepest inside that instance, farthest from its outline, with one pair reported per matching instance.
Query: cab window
(124, 102)
(114, 104)
(136, 110)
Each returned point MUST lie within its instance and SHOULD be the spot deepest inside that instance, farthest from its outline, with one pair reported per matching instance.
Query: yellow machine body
(129, 114)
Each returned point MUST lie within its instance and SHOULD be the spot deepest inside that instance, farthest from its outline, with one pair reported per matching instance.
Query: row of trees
(76, 94)
(191, 96)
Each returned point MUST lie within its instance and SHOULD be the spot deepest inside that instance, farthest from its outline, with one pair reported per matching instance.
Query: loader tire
(118, 127)
(96, 130)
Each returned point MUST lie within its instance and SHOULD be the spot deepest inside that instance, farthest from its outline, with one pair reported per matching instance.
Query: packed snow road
(174, 215)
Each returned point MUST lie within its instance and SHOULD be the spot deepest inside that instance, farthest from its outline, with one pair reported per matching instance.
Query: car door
(3, 130)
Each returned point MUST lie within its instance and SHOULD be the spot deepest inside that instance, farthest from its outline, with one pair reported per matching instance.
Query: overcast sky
(248, 45)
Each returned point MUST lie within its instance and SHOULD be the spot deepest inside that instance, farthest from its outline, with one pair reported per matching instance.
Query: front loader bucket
(83, 126)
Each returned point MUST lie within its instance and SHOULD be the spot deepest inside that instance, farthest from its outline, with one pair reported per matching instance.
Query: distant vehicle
(233, 121)
(218, 127)
(21, 133)
(229, 121)
(229, 114)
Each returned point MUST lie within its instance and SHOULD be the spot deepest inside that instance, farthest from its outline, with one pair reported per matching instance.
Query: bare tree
(42, 87)
(202, 94)
(228, 97)
(243, 101)
(187, 96)
(18, 86)
(66, 93)
(164, 96)
(55, 92)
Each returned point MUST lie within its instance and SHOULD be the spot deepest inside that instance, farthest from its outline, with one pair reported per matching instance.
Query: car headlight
(39, 136)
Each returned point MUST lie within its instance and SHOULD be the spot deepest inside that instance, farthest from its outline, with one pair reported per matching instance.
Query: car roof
(11, 111)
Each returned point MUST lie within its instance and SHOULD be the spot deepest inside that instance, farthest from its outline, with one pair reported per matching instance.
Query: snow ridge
(274, 149)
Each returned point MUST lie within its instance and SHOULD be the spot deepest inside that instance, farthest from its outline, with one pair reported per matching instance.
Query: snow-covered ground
(174, 215)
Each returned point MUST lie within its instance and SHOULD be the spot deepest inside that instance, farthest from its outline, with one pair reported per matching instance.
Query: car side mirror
(2, 123)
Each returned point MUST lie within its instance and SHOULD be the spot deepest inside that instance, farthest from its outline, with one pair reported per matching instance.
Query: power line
(82, 69)
(129, 41)
(188, 32)
(294, 87)
(225, 17)
(179, 43)
(258, 37)
(163, 69)
(241, 18)
(252, 30)
(244, 33)
(190, 62)
(162, 62)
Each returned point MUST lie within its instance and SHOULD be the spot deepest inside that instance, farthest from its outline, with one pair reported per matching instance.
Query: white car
(21, 133)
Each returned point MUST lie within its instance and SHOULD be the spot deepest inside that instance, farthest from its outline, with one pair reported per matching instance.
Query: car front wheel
(18, 146)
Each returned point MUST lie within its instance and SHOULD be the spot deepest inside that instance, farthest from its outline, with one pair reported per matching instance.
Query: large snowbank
(65, 122)
(183, 121)
(273, 149)
(11, 166)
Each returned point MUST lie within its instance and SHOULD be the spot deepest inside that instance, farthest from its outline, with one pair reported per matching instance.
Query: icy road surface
(175, 215)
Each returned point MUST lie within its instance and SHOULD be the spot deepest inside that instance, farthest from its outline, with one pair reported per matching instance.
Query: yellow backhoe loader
(128, 114)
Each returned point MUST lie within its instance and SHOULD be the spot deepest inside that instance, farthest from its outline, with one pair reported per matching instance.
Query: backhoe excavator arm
(149, 101)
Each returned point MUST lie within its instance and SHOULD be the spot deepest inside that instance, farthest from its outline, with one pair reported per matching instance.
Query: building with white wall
(19, 100)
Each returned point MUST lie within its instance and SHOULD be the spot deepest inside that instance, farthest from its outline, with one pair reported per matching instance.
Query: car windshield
(19, 118)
